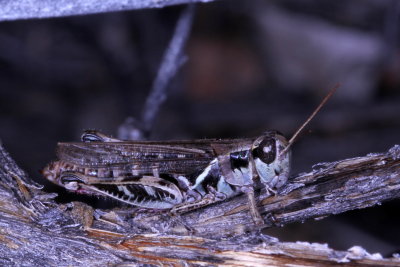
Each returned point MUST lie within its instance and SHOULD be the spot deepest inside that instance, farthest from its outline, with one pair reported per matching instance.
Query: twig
(172, 61)
(31, 9)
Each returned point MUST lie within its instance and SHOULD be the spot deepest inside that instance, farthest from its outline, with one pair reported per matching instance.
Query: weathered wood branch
(34, 9)
(37, 231)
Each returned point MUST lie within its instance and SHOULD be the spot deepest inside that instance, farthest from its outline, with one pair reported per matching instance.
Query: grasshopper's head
(271, 152)
(271, 164)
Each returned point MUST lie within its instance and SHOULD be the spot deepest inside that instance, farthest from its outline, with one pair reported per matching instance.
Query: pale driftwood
(37, 231)
(35, 9)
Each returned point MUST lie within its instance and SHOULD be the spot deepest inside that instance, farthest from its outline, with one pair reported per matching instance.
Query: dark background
(252, 66)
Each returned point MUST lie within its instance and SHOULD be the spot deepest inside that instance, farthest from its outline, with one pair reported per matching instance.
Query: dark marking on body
(239, 159)
(169, 178)
(212, 178)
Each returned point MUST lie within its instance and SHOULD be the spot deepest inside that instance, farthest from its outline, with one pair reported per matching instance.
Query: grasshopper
(178, 176)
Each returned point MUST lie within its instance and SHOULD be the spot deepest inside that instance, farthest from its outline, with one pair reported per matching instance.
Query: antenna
(326, 98)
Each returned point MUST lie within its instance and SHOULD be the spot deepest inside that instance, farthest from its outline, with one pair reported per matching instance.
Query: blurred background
(252, 66)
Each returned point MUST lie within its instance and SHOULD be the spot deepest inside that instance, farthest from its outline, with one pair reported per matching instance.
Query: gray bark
(34, 9)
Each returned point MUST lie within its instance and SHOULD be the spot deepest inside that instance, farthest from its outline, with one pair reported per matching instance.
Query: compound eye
(266, 150)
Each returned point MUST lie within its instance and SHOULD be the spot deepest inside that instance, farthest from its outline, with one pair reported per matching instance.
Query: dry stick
(172, 61)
